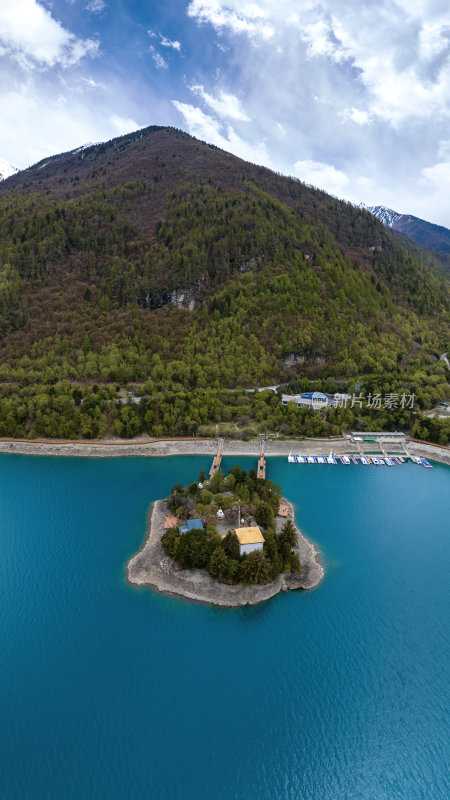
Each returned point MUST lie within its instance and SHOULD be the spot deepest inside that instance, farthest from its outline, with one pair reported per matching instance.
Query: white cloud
(205, 127)
(247, 18)
(123, 125)
(425, 195)
(91, 84)
(444, 149)
(356, 115)
(6, 169)
(365, 183)
(432, 202)
(165, 42)
(396, 52)
(30, 35)
(96, 6)
(59, 120)
(56, 126)
(396, 62)
(324, 176)
(160, 62)
(363, 91)
(225, 105)
(437, 180)
(319, 37)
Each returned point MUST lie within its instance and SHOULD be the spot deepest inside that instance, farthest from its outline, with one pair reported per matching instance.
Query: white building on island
(249, 539)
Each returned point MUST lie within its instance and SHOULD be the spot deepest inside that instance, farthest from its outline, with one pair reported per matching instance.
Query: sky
(352, 96)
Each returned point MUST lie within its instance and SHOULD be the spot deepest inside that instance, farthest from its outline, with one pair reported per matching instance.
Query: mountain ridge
(428, 234)
(161, 260)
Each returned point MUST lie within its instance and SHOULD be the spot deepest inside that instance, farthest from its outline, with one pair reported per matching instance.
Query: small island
(230, 541)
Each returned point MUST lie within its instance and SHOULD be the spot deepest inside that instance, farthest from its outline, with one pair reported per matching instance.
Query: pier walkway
(407, 452)
(261, 464)
(217, 459)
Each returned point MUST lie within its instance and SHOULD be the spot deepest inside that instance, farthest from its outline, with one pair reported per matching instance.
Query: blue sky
(353, 97)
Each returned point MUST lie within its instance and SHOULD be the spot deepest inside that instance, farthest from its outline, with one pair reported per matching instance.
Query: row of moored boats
(389, 461)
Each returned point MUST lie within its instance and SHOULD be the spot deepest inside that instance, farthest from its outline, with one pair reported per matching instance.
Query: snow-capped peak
(6, 170)
(84, 147)
(386, 215)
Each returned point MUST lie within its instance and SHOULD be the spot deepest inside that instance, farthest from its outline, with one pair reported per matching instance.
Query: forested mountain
(437, 260)
(159, 260)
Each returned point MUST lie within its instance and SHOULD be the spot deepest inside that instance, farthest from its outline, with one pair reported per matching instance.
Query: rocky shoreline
(151, 567)
(115, 448)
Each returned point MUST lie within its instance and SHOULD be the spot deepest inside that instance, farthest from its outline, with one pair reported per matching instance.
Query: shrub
(168, 540)
(218, 565)
(255, 568)
(230, 545)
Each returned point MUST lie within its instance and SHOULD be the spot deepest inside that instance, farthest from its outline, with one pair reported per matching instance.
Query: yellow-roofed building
(249, 539)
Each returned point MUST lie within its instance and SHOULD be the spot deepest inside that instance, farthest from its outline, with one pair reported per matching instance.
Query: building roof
(194, 524)
(249, 535)
(314, 396)
(381, 434)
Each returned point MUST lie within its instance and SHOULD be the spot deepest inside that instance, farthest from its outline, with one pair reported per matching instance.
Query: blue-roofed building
(191, 524)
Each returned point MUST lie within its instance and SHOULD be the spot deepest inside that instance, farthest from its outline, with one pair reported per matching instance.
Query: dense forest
(147, 282)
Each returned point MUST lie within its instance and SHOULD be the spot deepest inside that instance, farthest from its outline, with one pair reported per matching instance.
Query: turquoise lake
(112, 692)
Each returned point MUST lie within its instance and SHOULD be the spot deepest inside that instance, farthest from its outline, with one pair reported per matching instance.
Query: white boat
(321, 460)
(389, 462)
(291, 458)
(300, 460)
(364, 460)
(331, 459)
(311, 460)
(345, 460)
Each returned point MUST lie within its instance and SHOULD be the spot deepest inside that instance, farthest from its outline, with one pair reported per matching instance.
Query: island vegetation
(238, 498)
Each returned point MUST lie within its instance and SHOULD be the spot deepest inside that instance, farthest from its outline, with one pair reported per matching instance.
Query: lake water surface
(107, 691)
